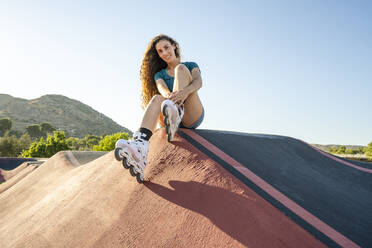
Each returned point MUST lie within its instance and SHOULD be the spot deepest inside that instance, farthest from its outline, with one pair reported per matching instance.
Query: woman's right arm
(163, 88)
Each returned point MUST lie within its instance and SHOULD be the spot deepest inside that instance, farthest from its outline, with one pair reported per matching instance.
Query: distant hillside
(75, 118)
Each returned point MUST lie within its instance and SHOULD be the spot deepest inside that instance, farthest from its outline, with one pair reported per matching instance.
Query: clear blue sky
(296, 68)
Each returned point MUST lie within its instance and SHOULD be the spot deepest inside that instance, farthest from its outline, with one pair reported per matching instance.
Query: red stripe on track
(294, 207)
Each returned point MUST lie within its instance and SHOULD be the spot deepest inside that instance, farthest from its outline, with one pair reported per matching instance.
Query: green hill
(71, 116)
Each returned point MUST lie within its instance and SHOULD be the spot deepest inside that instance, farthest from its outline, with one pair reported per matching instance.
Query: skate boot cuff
(139, 136)
(145, 133)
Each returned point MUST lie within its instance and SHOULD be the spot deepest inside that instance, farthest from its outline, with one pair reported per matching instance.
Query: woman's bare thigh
(193, 109)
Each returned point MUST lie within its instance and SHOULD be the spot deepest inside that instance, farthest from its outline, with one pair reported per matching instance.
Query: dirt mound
(188, 200)
(10, 178)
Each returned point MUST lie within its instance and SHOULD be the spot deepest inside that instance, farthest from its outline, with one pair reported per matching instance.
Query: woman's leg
(133, 153)
(193, 106)
(152, 113)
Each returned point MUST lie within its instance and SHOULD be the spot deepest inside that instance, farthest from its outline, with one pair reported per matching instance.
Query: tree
(15, 133)
(333, 149)
(341, 150)
(368, 150)
(48, 148)
(24, 143)
(34, 131)
(10, 146)
(55, 143)
(37, 149)
(91, 141)
(75, 144)
(349, 151)
(361, 150)
(84, 144)
(47, 128)
(108, 142)
(5, 125)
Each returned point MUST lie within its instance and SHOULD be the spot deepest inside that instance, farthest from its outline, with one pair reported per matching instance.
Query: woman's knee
(183, 71)
(181, 68)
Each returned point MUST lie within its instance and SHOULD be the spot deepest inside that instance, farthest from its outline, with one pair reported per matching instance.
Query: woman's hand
(168, 95)
(179, 97)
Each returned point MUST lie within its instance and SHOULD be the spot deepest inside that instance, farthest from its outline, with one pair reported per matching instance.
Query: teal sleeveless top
(163, 74)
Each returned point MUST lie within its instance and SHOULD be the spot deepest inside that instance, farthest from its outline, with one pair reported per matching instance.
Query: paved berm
(187, 200)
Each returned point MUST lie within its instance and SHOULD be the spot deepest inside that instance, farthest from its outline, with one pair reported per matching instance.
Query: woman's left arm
(196, 82)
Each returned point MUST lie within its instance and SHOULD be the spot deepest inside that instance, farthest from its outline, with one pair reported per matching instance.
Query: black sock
(146, 134)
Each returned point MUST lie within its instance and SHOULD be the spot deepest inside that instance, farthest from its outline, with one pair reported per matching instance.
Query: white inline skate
(133, 154)
(172, 117)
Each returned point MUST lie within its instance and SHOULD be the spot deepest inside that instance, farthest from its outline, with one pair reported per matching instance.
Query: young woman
(169, 94)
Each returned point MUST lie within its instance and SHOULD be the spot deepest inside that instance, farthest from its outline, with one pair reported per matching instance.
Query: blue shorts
(196, 124)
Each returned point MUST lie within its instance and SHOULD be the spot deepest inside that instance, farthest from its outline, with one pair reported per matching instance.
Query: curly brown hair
(151, 64)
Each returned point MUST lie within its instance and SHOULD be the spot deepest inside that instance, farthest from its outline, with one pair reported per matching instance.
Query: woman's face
(166, 50)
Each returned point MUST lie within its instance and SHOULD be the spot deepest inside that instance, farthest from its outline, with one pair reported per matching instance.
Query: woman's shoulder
(190, 65)
(159, 74)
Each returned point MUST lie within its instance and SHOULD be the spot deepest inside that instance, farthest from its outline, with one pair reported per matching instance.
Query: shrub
(368, 150)
(75, 144)
(341, 150)
(349, 151)
(48, 148)
(10, 146)
(84, 144)
(108, 142)
(91, 141)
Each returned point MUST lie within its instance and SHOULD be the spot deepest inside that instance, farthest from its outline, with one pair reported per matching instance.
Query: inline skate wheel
(125, 163)
(139, 178)
(132, 172)
(118, 157)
